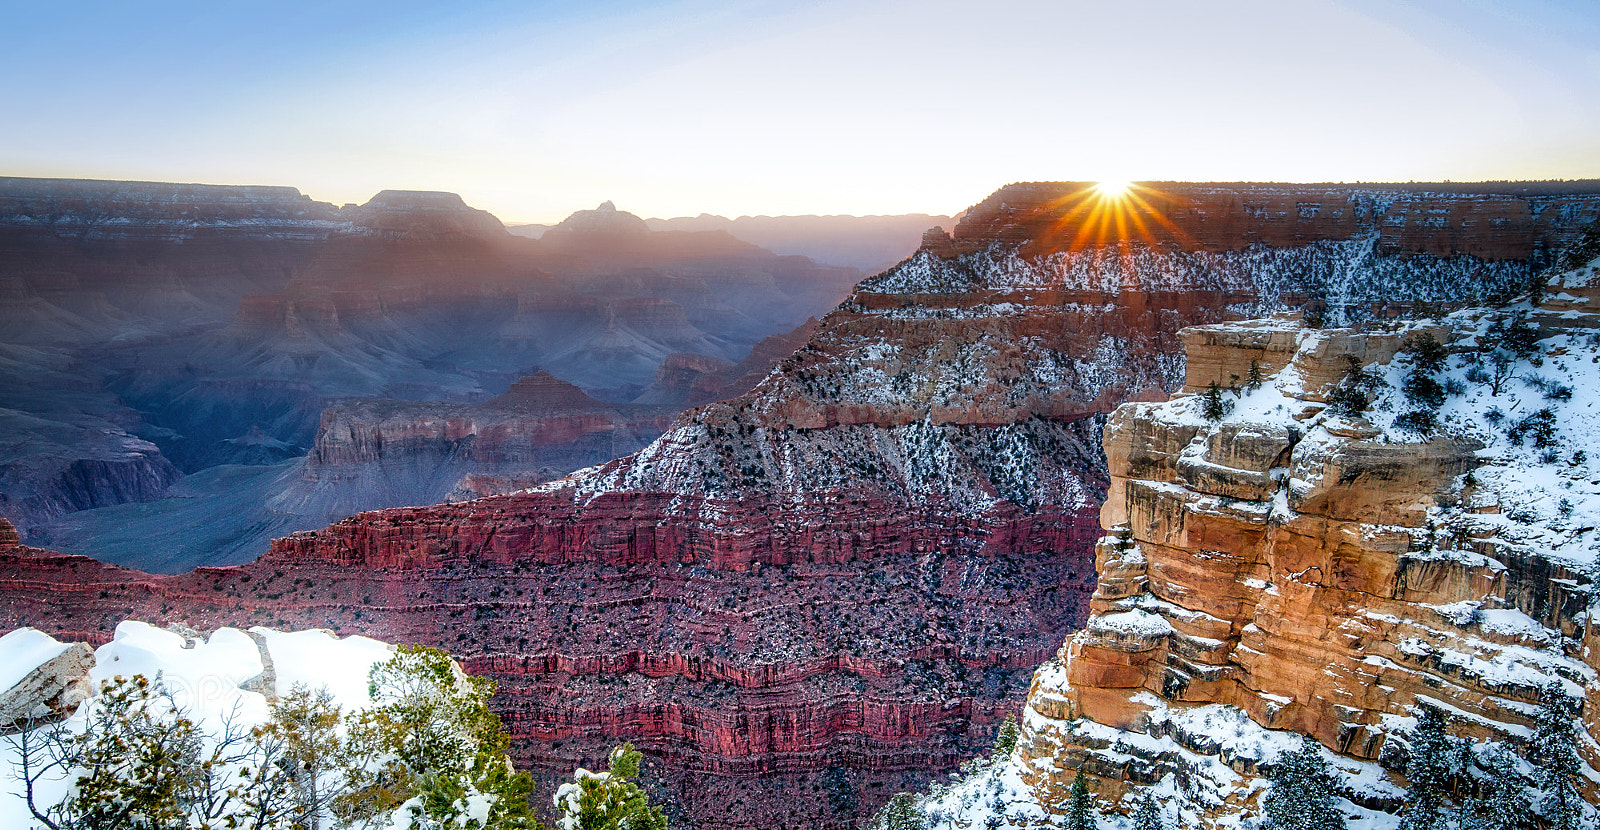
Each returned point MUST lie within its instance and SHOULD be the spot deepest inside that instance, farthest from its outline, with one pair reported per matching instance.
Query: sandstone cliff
(1288, 570)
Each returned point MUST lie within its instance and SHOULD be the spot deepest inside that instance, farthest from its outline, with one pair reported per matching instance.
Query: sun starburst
(1114, 189)
(1113, 214)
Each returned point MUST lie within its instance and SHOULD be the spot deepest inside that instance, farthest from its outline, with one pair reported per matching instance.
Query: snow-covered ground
(206, 676)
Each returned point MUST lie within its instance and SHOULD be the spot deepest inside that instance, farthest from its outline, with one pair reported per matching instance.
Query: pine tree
(1429, 770)
(1502, 802)
(1147, 816)
(609, 800)
(1080, 805)
(140, 763)
(1356, 391)
(442, 748)
(1213, 407)
(429, 755)
(1555, 749)
(136, 760)
(1427, 353)
(1006, 739)
(305, 758)
(1302, 793)
(1254, 378)
(900, 813)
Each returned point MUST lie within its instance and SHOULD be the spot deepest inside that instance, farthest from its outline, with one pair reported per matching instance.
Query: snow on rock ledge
(1284, 570)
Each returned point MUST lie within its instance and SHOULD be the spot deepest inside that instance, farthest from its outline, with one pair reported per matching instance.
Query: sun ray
(1115, 212)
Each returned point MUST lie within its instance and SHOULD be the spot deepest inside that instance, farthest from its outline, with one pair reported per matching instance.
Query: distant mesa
(425, 211)
(871, 243)
(546, 391)
(603, 220)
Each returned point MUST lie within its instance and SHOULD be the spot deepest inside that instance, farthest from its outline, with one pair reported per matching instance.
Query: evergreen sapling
(1302, 792)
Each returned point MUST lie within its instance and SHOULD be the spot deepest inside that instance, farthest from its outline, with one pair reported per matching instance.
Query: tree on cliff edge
(441, 755)
(1147, 816)
(1212, 406)
(609, 800)
(1555, 749)
(1080, 805)
(1502, 800)
(1430, 767)
(1006, 739)
(900, 813)
(1302, 793)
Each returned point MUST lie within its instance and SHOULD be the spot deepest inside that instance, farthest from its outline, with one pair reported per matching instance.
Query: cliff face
(1491, 221)
(541, 428)
(1285, 570)
(823, 580)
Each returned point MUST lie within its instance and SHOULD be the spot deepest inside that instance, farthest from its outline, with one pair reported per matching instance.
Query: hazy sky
(533, 110)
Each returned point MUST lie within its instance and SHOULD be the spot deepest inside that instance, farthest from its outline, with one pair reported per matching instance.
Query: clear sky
(533, 110)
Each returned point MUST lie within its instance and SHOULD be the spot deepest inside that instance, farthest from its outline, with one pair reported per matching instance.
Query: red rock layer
(765, 647)
(1508, 220)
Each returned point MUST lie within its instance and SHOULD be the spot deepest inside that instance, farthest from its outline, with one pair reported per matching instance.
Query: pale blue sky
(533, 110)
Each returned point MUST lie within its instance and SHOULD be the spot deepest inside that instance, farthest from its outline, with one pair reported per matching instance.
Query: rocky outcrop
(51, 690)
(686, 379)
(52, 478)
(1286, 570)
(540, 422)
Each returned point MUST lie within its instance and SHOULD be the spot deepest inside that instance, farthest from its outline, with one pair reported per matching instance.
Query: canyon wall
(1283, 569)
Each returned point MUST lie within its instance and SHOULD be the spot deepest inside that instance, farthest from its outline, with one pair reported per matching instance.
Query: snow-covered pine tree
(1555, 750)
(1356, 392)
(1302, 793)
(140, 763)
(900, 813)
(1254, 379)
(1080, 805)
(306, 760)
(1429, 769)
(608, 800)
(1212, 406)
(1502, 800)
(441, 751)
(1147, 815)
(1006, 739)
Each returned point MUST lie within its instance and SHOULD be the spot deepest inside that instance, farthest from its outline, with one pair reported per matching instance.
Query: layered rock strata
(1285, 570)
(540, 429)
